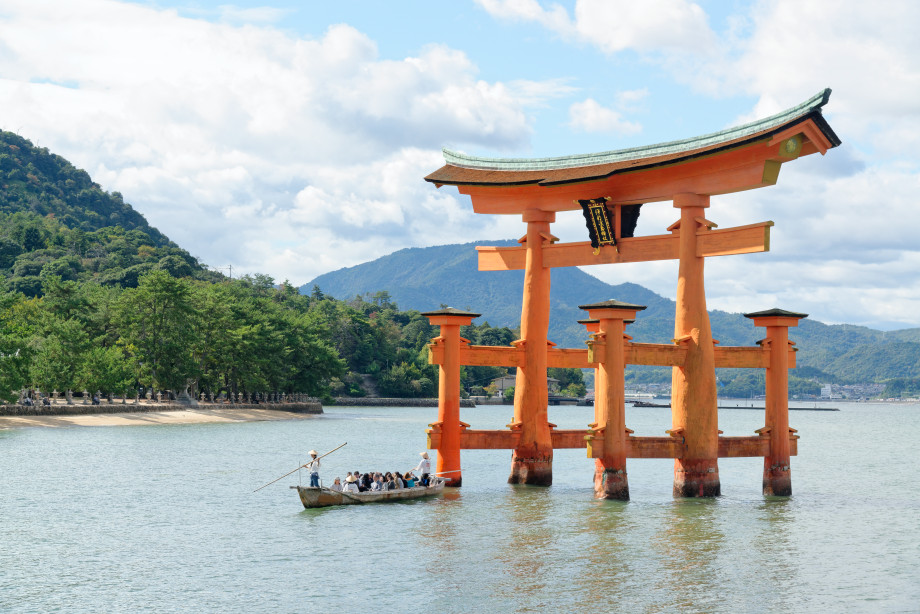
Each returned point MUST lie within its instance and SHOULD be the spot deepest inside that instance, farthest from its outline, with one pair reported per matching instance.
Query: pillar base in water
(453, 482)
(532, 469)
(610, 484)
(777, 480)
(698, 478)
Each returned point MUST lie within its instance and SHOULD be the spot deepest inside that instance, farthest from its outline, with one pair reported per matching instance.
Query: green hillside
(33, 179)
(55, 221)
(425, 278)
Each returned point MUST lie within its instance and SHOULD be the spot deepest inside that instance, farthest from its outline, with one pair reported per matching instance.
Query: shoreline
(158, 416)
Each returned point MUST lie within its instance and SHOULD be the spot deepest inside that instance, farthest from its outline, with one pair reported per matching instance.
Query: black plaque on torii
(602, 228)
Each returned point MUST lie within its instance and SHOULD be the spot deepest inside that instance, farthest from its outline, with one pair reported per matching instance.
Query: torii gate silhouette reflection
(687, 173)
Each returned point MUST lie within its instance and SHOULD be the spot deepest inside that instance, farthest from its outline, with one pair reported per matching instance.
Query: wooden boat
(324, 497)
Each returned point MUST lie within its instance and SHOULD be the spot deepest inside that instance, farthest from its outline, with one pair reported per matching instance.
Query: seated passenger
(376, 484)
(410, 479)
(336, 485)
(350, 485)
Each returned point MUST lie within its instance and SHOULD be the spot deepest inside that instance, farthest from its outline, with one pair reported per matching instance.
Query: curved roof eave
(519, 171)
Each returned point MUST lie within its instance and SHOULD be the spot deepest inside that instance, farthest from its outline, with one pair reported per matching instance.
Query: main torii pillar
(532, 460)
(694, 408)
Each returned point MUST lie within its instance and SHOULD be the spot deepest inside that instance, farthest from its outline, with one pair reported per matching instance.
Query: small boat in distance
(325, 497)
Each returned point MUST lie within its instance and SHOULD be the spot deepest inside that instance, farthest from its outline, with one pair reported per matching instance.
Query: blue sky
(291, 138)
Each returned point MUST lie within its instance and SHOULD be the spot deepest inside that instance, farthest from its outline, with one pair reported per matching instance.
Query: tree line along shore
(229, 337)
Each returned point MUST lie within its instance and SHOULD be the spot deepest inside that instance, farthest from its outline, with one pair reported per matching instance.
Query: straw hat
(423, 454)
(313, 452)
(350, 478)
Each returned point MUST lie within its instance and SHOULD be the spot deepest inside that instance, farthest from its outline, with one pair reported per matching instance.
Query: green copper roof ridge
(645, 151)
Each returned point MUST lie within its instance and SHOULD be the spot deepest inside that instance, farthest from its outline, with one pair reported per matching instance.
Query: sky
(291, 137)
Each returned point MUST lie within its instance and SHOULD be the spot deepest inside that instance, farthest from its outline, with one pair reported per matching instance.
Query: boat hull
(324, 497)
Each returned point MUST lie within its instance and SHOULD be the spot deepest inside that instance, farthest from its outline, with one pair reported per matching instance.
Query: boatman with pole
(424, 467)
(313, 468)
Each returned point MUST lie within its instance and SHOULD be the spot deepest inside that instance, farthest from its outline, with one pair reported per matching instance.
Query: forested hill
(425, 278)
(55, 221)
(33, 179)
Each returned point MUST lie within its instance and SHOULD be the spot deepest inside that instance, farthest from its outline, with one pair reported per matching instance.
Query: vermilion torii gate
(687, 173)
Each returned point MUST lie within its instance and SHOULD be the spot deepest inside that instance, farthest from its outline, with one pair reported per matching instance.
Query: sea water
(164, 519)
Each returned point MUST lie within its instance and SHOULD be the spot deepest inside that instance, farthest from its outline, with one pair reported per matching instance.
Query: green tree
(59, 354)
(406, 380)
(571, 381)
(157, 321)
(18, 316)
(313, 361)
(108, 369)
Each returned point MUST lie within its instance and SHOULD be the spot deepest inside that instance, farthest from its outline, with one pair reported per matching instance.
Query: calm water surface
(163, 519)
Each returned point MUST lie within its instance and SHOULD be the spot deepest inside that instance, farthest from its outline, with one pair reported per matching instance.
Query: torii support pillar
(777, 475)
(450, 320)
(694, 407)
(532, 459)
(607, 350)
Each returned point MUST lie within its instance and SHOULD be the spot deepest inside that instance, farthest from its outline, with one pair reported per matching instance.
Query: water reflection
(527, 543)
(608, 567)
(439, 539)
(774, 552)
(690, 543)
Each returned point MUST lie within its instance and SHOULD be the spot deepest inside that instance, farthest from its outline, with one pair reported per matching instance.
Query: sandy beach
(184, 416)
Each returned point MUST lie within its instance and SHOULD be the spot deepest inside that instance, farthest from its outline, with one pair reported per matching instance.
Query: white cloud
(653, 25)
(250, 146)
(555, 18)
(616, 25)
(590, 116)
(629, 99)
(868, 54)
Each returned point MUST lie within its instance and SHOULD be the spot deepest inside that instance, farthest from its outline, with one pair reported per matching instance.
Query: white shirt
(424, 466)
(313, 466)
(351, 487)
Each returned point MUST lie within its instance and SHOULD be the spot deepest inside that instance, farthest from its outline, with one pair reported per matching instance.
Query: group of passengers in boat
(373, 481)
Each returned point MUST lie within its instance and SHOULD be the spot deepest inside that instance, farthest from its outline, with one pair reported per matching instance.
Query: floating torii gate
(687, 173)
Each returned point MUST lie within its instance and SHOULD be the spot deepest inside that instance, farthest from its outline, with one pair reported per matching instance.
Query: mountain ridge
(426, 278)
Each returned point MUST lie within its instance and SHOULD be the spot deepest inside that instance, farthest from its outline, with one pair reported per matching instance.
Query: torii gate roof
(803, 122)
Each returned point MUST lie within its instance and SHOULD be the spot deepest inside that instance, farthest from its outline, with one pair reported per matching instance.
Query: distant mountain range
(426, 278)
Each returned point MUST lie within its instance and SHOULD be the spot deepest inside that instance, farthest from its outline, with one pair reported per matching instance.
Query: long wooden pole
(301, 467)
